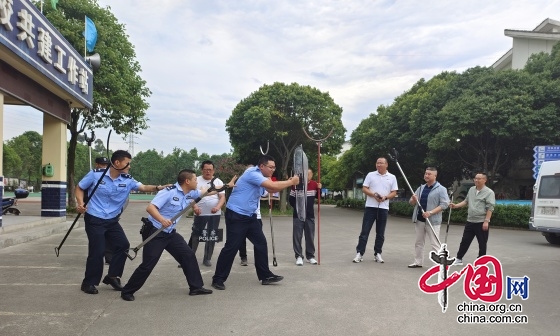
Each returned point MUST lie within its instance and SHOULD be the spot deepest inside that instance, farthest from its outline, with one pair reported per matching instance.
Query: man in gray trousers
(307, 226)
(434, 200)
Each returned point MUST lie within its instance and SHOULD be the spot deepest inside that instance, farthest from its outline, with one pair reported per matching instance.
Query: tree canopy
(119, 93)
(478, 120)
(279, 115)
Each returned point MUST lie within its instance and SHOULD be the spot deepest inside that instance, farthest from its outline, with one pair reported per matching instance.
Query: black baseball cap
(102, 160)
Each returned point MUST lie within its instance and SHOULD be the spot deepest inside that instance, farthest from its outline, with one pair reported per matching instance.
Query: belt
(163, 232)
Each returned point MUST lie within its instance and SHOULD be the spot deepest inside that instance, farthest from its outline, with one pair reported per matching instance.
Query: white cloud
(200, 58)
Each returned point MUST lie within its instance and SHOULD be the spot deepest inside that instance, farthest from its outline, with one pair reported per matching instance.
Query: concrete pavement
(40, 293)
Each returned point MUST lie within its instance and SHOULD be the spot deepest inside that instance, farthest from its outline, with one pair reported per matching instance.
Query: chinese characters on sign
(28, 34)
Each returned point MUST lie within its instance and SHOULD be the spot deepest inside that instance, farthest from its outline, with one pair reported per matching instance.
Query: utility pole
(131, 144)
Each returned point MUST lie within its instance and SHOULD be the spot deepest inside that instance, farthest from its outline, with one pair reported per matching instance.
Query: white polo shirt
(381, 184)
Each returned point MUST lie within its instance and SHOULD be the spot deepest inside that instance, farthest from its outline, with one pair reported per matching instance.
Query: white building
(528, 42)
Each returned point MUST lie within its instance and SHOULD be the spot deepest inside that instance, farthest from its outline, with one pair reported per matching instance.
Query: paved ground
(40, 293)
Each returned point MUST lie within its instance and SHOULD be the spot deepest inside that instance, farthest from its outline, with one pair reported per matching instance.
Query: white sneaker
(457, 262)
(312, 261)
(378, 258)
(299, 261)
(358, 258)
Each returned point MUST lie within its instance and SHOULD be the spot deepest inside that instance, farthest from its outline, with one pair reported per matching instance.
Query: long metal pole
(57, 249)
(395, 158)
(448, 220)
(274, 262)
(319, 204)
(318, 142)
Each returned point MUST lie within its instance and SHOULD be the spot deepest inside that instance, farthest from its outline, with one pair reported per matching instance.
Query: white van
(545, 210)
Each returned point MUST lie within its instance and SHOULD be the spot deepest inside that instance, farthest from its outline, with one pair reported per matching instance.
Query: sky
(200, 58)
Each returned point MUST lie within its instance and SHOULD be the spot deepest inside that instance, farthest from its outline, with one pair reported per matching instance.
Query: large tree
(278, 114)
(497, 120)
(406, 125)
(119, 93)
(180, 159)
(13, 164)
(28, 146)
(148, 168)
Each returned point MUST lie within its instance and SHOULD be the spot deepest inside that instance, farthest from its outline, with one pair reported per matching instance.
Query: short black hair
(185, 174)
(207, 162)
(120, 155)
(264, 159)
(482, 173)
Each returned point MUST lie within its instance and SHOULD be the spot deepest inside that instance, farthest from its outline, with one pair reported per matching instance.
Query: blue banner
(90, 34)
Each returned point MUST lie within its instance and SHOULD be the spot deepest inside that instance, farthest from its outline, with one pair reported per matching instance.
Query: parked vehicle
(9, 203)
(545, 209)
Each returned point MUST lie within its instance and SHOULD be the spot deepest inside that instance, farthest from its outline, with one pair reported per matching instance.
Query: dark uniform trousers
(243, 247)
(98, 231)
(238, 228)
(176, 245)
(473, 230)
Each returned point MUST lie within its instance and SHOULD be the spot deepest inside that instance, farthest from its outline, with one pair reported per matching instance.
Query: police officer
(164, 206)
(101, 162)
(101, 218)
(242, 223)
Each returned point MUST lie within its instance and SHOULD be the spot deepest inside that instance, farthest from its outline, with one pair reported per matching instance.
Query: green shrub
(328, 201)
(351, 203)
(511, 215)
(401, 208)
(504, 215)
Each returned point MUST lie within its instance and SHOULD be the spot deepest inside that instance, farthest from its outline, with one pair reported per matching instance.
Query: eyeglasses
(271, 167)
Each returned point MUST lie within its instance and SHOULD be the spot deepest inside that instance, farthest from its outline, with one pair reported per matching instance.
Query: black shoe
(127, 297)
(272, 279)
(218, 285)
(244, 262)
(200, 291)
(114, 282)
(89, 289)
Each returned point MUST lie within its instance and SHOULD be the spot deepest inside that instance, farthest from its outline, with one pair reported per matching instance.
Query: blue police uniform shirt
(246, 195)
(170, 201)
(108, 200)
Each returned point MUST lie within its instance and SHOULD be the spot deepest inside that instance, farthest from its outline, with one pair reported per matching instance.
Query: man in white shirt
(379, 187)
(210, 212)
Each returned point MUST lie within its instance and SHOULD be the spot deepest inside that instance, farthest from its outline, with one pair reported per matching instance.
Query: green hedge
(504, 215)
(351, 203)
